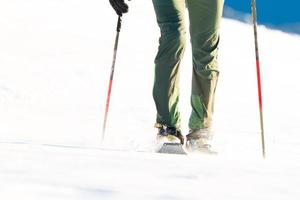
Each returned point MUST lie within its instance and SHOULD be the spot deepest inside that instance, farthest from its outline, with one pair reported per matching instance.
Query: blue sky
(280, 14)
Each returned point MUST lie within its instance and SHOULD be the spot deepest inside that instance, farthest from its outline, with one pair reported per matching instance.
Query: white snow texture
(55, 62)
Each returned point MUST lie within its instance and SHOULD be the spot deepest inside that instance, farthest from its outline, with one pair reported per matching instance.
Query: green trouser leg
(204, 27)
(170, 18)
(205, 17)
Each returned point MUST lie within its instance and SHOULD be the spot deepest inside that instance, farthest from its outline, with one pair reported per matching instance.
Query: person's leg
(205, 16)
(170, 19)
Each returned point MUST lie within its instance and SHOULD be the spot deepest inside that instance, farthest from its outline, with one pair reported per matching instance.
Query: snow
(54, 70)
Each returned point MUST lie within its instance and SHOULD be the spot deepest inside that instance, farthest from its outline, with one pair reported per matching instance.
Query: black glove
(120, 6)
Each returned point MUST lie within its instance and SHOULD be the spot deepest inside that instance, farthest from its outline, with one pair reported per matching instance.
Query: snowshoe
(169, 140)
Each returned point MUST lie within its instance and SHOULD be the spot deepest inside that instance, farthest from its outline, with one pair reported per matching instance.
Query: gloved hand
(120, 6)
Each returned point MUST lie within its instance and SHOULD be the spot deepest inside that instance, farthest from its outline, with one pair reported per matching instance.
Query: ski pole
(254, 18)
(111, 76)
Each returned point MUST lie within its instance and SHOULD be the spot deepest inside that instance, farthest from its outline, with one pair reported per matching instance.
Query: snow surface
(54, 70)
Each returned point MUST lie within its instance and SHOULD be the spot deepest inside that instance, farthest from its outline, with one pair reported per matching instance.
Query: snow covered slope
(55, 59)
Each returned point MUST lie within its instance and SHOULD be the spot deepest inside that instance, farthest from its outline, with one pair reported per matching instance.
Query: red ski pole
(254, 18)
(111, 77)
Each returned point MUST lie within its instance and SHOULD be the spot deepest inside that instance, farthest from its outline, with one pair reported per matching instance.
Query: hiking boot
(199, 141)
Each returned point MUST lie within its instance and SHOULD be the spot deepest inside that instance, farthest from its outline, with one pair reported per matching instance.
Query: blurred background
(282, 15)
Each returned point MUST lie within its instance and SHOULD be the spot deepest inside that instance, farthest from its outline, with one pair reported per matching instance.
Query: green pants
(204, 18)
